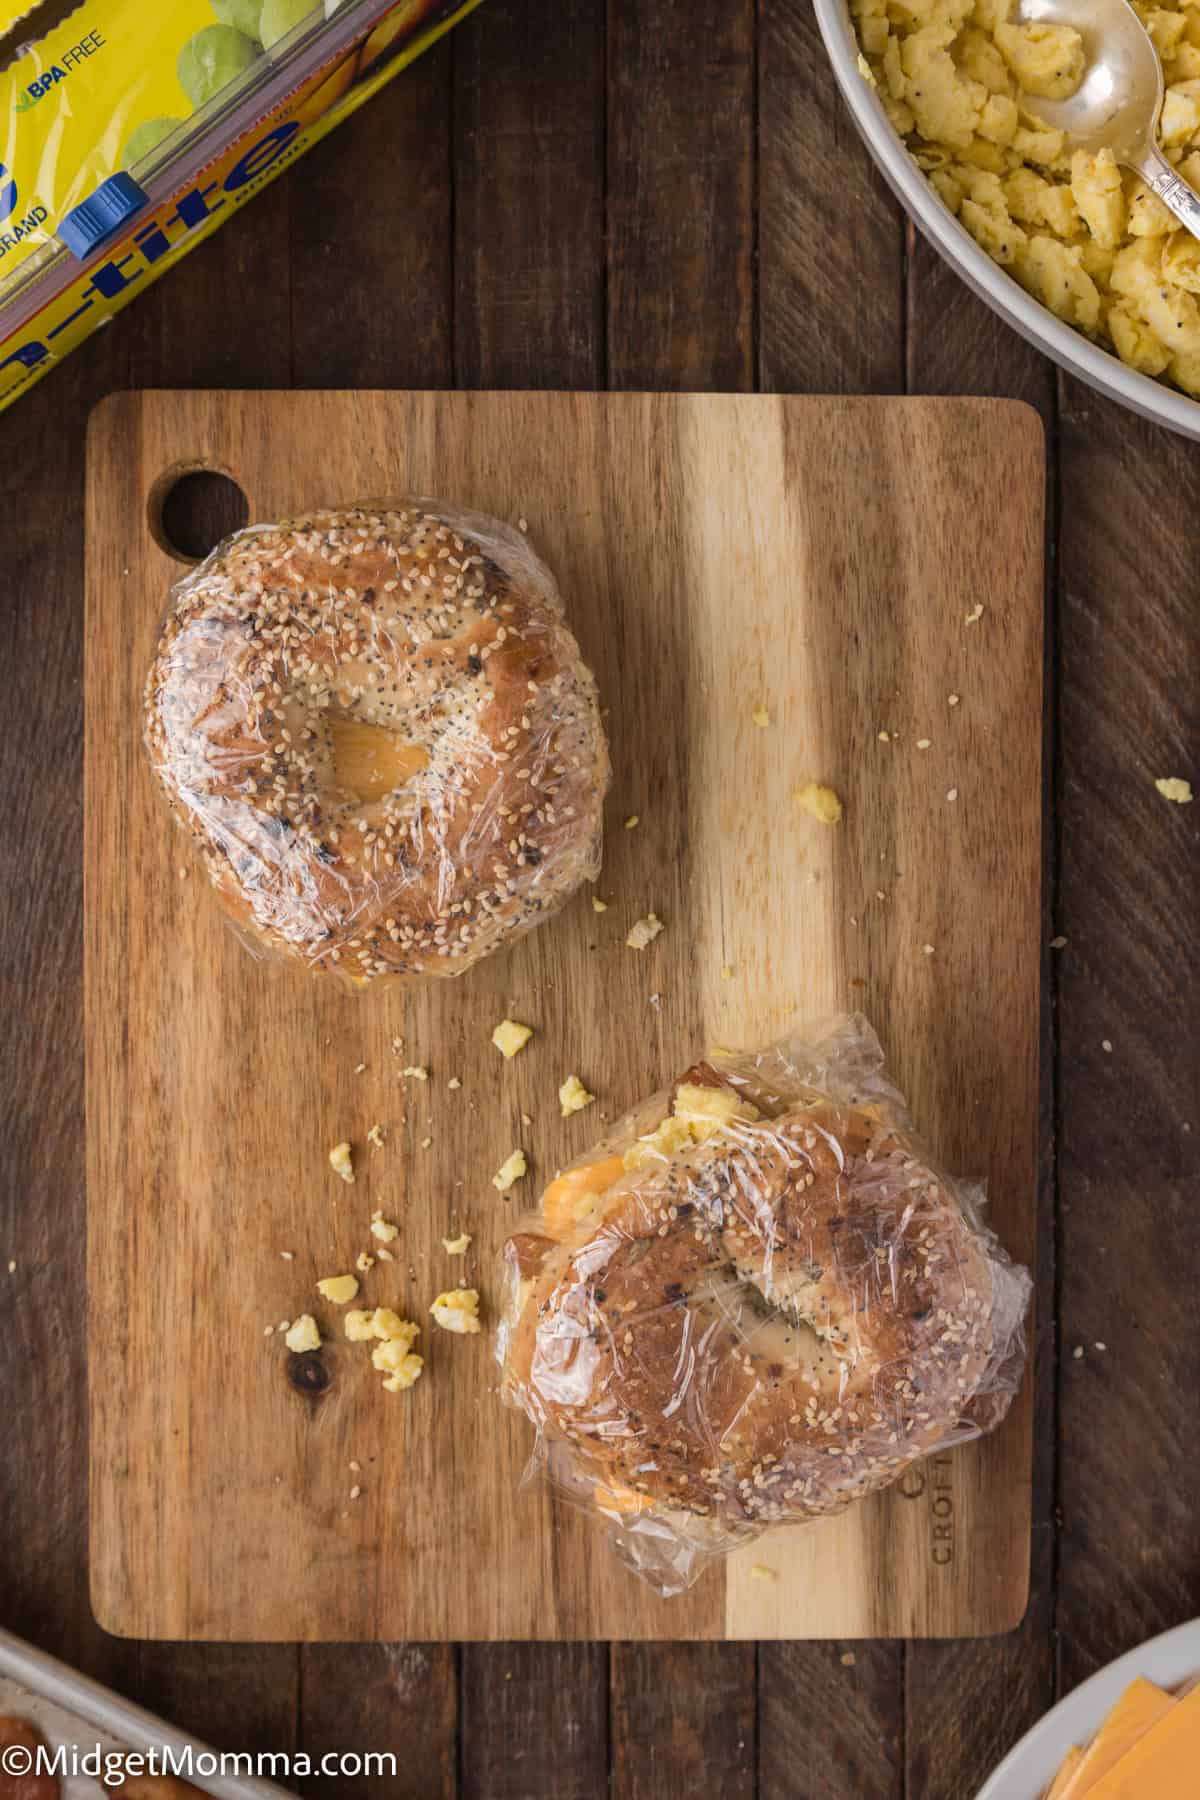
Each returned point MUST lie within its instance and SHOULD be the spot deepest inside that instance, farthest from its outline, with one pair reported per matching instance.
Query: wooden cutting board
(824, 558)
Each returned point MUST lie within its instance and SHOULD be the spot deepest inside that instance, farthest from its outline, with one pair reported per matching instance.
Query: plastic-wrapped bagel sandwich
(756, 1302)
(381, 737)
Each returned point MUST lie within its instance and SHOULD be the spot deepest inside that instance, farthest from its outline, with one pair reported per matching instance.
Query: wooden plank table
(588, 194)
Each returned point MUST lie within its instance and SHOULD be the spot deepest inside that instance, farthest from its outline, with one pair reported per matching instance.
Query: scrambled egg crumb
(599, 905)
(364, 1262)
(727, 972)
(383, 1229)
(821, 802)
(454, 1084)
(457, 1246)
(509, 1037)
(389, 1356)
(699, 1113)
(632, 822)
(338, 1288)
(511, 1171)
(341, 1162)
(707, 1109)
(761, 717)
(407, 1374)
(394, 1356)
(416, 1072)
(376, 1136)
(303, 1335)
(644, 932)
(671, 1136)
(1174, 787)
(573, 1096)
(457, 1310)
(760, 1572)
(391, 1326)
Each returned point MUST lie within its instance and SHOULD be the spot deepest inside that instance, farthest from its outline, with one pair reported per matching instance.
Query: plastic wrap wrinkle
(381, 737)
(771, 1302)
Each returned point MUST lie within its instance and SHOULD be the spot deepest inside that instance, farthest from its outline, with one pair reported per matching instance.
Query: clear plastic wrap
(381, 737)
(756, 1301)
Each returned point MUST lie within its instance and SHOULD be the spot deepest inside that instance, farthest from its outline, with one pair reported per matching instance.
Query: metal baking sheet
(70, 1709)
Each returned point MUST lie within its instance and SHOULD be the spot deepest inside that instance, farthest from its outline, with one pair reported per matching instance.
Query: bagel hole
(369, 761)
(192, 509)
(774, 1329)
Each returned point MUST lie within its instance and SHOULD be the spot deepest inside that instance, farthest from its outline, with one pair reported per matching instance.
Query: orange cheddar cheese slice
(614, 1496)
(1140, 1706)
(570, 1198)
(1058, 1786)
(368, 761)
(1163, 1764)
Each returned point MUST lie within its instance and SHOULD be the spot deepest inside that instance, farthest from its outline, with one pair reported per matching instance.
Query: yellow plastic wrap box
(129, 132)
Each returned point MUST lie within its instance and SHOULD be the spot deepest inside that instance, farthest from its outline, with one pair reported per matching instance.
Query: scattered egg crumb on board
(1175, 788)
(510, 1037)
(820, 802)
(644, 932)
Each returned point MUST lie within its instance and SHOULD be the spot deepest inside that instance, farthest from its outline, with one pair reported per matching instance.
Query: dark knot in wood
(308, 1374)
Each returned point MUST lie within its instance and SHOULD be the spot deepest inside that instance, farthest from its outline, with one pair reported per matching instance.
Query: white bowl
(1028, 1770)
(1107, 373)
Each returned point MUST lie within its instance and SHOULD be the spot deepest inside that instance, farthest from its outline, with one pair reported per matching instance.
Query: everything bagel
(750, 1319)
(381, 736)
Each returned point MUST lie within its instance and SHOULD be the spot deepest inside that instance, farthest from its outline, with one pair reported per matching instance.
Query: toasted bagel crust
(435, 633)
(762, 1327)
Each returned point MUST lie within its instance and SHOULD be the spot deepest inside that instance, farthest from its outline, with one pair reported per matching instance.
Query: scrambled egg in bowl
(960, 80)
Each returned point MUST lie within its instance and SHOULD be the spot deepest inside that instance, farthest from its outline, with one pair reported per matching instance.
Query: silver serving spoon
(1117, 104)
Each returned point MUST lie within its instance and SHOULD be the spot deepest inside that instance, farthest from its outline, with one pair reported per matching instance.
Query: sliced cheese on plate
(1164, 1763)
(1140, 1706)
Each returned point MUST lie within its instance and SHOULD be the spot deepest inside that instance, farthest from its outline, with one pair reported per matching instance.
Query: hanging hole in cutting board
(192, 508)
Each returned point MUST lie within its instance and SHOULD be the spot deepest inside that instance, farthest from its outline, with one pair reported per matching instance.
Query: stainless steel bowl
(1075, 353)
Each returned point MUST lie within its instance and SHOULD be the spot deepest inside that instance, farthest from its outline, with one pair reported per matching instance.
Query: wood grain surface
(718, 554)
(353, 263)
